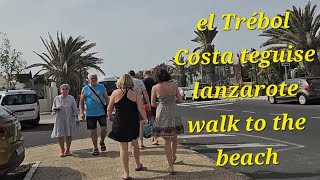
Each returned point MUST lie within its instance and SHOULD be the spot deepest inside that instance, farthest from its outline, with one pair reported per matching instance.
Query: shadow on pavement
(188, 175)
(87, 153)
(57, 173)
(281, 175)
(41, 127)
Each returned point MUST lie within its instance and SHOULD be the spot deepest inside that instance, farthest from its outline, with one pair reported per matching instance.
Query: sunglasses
(93, 78)
(65, 89)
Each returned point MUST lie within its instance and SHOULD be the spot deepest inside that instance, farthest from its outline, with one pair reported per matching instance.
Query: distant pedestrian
(126, 125)
(168, 122)
(66, 119)
(149, 82)
(139, 86)
(95, 97)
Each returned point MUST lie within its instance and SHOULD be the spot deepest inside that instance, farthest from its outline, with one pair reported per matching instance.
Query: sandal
(96, 152)
(61, 153)
(141, 147)
(68, 153)
(139, 168)
(155, 143)
(103, 147)
(126, 178)
(174, 159)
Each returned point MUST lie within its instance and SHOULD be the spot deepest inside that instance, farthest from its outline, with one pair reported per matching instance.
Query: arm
(153, 97)
(178, 95)
(111, 106)
(146, 96)
(140, 106)
(106, 96)
(81, 104)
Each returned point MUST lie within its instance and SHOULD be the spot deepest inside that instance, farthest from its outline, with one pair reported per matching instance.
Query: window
(19, 99)
(4, 112)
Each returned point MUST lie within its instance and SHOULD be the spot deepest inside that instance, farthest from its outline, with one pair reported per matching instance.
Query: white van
(24, 104)
(109, 83)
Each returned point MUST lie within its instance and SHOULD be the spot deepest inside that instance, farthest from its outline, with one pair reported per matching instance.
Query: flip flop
(96, 152)
(103, 147)
(127, 178)
(139, 168)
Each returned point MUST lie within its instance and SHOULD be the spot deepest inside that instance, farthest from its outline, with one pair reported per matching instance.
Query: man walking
(139, 85)
(149, 82)
(94, 96)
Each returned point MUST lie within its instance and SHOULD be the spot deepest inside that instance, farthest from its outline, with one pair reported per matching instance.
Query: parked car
(109, 83)
(24, 104)
(309, 89)
(189, 92)
(12, 152)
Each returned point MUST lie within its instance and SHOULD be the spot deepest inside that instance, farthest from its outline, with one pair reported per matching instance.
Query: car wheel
(36, 121)
(302, 99)
(272, 100)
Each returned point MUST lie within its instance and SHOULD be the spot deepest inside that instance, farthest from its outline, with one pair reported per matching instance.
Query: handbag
(148, 130)
(104, 106)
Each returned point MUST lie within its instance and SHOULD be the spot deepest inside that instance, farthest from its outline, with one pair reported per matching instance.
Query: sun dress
(126, 124)
(168, 122)
(65, 119)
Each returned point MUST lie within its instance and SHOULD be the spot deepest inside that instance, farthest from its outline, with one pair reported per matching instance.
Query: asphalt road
(298, 151)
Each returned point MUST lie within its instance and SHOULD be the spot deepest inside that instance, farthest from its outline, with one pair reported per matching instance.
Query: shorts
(92, 121)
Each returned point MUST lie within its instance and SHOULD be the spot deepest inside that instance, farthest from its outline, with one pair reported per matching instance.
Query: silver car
(309, 89)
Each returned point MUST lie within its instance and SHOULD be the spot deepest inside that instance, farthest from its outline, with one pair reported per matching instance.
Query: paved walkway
(83, 165)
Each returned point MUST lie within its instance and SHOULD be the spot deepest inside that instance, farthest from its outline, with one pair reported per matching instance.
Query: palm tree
(180, 71)
(205, 38)
(67, 61)
(303, 34)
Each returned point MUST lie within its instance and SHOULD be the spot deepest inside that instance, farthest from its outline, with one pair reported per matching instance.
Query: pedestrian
(139, 86)
(95, 97)
(65, 110)
(126, 125)
(168, 122)
(149, 82)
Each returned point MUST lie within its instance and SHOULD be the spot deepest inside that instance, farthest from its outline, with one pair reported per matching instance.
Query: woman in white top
(66, 119)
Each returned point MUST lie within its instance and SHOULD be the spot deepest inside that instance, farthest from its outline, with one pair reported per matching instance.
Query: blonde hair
(124, 81)
(65, 85)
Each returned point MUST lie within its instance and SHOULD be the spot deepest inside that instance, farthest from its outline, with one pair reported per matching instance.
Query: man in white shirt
(139, 85)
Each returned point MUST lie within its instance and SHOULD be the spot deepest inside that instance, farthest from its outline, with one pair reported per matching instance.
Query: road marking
(223, 109)
(204, 102)
(244, 145)
(271, 139)
(213, 105)
(251, 112)
(203, 135)
(276, 114)
(315, 117)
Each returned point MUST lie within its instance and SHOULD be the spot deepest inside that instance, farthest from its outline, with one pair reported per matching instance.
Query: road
(298, 151)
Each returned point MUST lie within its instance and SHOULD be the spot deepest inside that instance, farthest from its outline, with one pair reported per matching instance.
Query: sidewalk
(83, 165)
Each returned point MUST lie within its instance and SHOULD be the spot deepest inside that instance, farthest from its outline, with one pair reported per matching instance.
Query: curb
(243, 176)
(45, 113)
(32, 170)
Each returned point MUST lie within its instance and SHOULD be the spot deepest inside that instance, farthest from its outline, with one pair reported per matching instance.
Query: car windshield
(109, 85)
(19, 99)
(4, 112)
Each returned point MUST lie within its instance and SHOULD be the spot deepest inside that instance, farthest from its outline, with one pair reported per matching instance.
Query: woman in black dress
(125, 127)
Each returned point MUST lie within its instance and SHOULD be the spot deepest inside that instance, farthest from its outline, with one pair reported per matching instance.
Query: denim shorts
(92, 121)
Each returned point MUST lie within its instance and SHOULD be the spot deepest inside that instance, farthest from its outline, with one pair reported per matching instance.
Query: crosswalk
(245, 141)
(205, 104)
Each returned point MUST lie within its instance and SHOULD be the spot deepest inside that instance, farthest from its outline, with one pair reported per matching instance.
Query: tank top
(94, 105)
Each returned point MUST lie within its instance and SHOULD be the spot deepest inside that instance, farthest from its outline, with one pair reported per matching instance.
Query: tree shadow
(57, 173)
(42, 127)
(281, 175)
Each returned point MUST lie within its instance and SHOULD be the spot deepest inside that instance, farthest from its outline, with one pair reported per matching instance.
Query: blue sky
(136, 34)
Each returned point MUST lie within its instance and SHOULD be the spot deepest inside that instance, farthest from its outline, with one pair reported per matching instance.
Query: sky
(130, 34)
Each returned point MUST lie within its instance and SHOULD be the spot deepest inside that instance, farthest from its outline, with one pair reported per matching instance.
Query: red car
(12, 152)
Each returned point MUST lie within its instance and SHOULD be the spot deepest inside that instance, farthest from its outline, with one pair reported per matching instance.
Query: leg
(103, 131)
(61, 144)
(141, 134)
(68, 142)
(136, 153)
(94, 137)
(124, 159)
(174, 145)
(168, 152)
